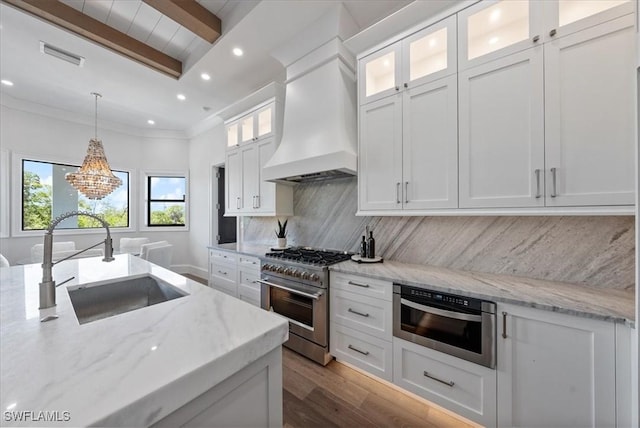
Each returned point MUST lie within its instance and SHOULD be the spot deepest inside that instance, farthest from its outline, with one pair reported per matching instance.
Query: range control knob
(266, 267)
(280, 269)
(304, 275)
(314, 277)
(287, 271)
(296, 273)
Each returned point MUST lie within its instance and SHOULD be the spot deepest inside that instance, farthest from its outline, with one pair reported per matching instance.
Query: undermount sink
(100, 300)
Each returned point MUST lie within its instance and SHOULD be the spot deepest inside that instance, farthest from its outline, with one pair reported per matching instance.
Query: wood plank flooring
(338, 396)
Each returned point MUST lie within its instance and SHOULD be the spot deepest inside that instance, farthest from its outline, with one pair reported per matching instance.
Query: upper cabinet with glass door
(492, 29)
(495, 28)
(252, 126)
(419, 58)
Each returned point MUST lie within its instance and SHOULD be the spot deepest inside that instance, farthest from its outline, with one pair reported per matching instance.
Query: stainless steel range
(295, 284)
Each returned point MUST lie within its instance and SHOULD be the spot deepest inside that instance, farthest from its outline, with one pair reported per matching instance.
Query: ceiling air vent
(61, 54)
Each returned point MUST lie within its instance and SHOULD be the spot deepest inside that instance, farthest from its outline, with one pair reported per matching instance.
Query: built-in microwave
(460, 326)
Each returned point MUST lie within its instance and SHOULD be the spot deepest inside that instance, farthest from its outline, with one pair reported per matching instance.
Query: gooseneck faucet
(48, 285)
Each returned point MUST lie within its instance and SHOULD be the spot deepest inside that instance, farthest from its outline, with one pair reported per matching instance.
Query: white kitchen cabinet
(554, 369)
(422, 57)
(360, 315)
(590, 116)
(408, 149)
(247, 193)
(252, 126)
(501, 140)
(223, 271)
(465, 388)
(553, 135)
(493, 29)
(248, 276)
(380, 155)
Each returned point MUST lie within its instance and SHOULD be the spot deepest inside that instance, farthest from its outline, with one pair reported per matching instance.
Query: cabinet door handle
(552, 32)
(504, 325)
(238, 202)
(430, 376)
(257, 201)
(358, 313)
(357, 350)
(554, 192)
(538, 194)
(398, 193)
(406, 85)
(536, 38)
(358, 285)
(397, 88)
(406, 192)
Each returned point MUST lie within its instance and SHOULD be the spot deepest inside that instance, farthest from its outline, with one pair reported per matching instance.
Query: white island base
(250, 398)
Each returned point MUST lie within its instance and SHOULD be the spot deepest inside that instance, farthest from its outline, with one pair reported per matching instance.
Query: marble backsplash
(591, 250)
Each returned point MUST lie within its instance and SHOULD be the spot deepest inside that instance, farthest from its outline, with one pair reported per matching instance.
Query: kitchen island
(193, 358)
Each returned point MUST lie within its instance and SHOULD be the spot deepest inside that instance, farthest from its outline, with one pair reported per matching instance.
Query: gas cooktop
(310, 256)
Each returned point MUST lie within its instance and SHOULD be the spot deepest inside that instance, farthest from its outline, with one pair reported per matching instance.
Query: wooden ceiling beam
(191, 15)
(83, 25)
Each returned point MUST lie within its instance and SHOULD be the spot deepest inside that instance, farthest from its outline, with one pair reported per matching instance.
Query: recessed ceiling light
(205, 76)
(151, 122)
(237, 51)
(181, 97)
(6, 82)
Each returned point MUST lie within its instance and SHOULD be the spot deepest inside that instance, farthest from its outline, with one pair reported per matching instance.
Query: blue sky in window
(168, 187)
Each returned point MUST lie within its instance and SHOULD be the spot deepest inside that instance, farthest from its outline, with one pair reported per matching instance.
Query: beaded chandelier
(94, 179)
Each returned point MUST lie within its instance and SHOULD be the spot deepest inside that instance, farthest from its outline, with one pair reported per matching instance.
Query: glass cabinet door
(564, 17)
(265, 121)
(247, 129)
(380, 74)
(232, 135)
(492, 29)
(430, 54)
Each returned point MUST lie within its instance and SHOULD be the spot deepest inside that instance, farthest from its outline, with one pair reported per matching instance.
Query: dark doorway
(226, 225)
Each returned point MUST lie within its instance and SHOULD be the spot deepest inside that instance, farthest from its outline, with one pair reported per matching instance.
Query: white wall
(205, 151)
(48, 138)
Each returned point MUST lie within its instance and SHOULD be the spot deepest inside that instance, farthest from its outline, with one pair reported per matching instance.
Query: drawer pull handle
(359, 285)
(358, 313)
(504, 325)
(224, 273)
(430, 376)
(357, 350)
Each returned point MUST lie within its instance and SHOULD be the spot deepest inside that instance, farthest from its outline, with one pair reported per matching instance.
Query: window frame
(145, 218)
(16, 197)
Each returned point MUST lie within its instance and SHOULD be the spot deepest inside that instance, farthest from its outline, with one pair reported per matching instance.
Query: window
(46, 195)
(166, 202)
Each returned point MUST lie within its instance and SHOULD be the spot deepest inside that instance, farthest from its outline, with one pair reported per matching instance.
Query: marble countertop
(574, 299)
(131, 369)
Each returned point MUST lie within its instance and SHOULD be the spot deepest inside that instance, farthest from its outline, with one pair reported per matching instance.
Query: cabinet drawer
(363, 313)
(219, 256)
(369, 353)
(248, 262)
(463, 387)
(371, 287)
(223, 278)
(249, 294)
(249, 279)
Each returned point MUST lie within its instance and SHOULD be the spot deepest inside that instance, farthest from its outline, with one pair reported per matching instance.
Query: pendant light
(94, 179)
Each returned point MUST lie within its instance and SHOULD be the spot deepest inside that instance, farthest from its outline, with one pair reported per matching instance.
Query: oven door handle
(441, 312)
(292, 290)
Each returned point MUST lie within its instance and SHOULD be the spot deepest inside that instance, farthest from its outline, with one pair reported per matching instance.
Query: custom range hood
(319, 129)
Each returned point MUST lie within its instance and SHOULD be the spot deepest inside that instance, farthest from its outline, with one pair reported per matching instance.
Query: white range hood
(319, 136)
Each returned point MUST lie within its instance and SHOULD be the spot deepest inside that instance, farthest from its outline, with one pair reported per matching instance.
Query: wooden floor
(338, 396)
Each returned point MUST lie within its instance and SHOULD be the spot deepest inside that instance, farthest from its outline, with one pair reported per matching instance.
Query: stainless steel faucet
(48, 285)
